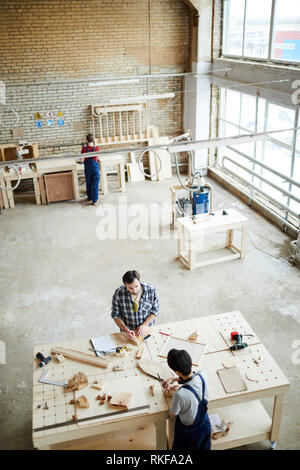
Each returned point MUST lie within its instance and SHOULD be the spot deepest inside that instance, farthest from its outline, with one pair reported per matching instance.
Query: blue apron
(92, 177)
(197, 435)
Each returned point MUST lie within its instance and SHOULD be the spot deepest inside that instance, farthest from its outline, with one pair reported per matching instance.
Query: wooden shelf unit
(8, 152)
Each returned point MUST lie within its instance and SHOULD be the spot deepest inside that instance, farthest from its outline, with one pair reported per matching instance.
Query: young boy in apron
(91, 170)
(189, 404)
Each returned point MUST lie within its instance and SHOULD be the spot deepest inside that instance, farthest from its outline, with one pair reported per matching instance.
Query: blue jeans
(92, 178)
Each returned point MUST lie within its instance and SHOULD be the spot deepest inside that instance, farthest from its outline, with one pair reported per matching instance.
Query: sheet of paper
(103, 343)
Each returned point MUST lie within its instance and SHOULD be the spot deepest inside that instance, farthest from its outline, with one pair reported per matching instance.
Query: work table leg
(161, 434)
(243, 241)
(276, 418)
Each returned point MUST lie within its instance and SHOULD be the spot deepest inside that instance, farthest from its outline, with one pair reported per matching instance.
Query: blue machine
(201, 201)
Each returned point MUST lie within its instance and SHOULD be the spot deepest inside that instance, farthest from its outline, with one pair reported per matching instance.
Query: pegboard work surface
(55, 424)
(261, 374)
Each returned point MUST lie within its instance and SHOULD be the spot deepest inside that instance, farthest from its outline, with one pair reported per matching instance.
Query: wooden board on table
(153, 368)
(195, 349)
(130, 389)
(81, 357)
(232, 380)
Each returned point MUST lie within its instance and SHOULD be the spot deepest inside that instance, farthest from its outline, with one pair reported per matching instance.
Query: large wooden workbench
(53, 428)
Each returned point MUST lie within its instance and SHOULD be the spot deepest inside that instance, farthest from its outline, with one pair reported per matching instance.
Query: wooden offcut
(154, 369)
(232, 380)
(81, 357)
(121, 399)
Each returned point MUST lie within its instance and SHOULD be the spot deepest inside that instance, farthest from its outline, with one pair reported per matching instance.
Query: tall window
(243, 113)
(262, 29)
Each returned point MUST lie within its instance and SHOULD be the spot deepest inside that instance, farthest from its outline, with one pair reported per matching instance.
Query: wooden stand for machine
(210, 224)
(251, 422)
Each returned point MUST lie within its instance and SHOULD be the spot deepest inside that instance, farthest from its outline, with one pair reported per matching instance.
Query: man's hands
(141, 330)
(130, 334)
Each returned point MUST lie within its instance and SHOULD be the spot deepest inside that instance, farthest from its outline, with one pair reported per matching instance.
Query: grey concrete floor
(58, 277)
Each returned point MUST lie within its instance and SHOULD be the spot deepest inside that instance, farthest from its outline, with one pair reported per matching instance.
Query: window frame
(267, 60)
(291, 148)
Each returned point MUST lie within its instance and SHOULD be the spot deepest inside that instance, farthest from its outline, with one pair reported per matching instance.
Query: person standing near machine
(91, 171)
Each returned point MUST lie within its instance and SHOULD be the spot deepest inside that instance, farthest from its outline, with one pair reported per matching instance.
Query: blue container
(201, 202)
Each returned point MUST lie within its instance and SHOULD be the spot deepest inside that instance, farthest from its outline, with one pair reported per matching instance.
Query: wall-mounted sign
(49, 114)
(50, 123)
(60, 122)
(38, 116)
(38, 123)
(60, 113)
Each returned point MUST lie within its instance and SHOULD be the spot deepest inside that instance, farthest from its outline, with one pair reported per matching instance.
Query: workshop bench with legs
(144, 425)
(192, 232)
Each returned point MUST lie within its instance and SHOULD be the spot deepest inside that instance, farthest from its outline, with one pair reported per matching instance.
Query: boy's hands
(168, 382)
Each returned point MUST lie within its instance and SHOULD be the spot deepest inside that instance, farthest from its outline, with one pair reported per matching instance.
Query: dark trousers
(194, 437)
(92, 178)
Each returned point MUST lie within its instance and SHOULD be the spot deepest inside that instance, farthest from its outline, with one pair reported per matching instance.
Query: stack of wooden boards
(159, 160)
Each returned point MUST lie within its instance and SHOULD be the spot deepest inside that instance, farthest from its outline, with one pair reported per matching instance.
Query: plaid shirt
(123, 306)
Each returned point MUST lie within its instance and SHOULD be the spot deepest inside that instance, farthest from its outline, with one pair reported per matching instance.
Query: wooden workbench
(9, 180)
(52, 428)
(193, 232)
(59, 167)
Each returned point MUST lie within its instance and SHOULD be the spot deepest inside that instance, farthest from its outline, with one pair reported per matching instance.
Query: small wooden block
(258, 359)
(121, 399)
(98, 386)
(153, 389)
(140, 352)
(229, 363)
(194, 336)
(59, 357)
(117, 368)
(82, 402)
(252, 375)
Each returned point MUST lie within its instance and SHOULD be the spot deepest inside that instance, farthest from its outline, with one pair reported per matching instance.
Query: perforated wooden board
(271, 379)
(211, 330)
(49, 425)
(194, 348)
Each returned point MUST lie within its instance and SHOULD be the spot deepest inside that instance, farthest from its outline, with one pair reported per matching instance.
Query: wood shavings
(78, 382)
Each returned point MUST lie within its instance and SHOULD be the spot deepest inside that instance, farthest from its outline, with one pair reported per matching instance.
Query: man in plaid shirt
(134, 306)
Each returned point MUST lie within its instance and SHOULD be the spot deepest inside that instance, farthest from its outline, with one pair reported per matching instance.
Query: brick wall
(217, 29)
(63, 40)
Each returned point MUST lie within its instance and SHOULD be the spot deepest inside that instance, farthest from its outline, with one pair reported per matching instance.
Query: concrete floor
(57, 280)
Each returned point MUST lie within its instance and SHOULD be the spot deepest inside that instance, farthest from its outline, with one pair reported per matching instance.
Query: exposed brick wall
(217, 29)
(44, 40)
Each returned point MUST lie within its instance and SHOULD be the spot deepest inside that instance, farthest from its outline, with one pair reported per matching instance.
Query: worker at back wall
(134, 306)
(91, 171)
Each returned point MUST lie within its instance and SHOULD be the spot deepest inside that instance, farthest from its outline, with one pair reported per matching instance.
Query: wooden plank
(81, 357)
(153, 368)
